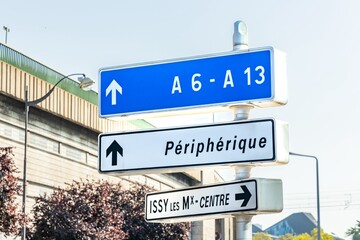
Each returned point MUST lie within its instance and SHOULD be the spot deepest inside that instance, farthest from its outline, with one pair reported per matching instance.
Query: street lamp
(6, 33)
(317, 190)
(85, 83)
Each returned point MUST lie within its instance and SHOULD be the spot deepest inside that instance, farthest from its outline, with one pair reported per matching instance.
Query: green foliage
(323, 235)
(354, 232)
(304, 236)
(287, 236)
(10, 216)
(98, 210)
(261, 236)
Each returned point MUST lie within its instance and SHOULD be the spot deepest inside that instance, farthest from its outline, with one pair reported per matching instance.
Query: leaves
(306, 236)
(98, 210)
(261, 236)
(10, 216)
(354, 232)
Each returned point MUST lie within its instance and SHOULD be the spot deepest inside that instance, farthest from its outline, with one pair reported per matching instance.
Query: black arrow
(114, 148)
(246, 195)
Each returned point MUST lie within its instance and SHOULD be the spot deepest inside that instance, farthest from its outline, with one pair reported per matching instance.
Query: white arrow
(113, 88)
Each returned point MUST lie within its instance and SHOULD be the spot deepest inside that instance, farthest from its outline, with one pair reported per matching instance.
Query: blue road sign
(224, 79)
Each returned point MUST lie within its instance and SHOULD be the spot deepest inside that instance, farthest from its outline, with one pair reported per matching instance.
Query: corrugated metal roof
(45, 73)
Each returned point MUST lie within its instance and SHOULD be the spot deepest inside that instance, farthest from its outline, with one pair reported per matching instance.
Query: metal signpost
(239, 80)
(255, 142)
(252, 196)
(209, 81)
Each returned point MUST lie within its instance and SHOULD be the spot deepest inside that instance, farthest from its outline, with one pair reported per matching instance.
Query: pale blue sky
(321, 39)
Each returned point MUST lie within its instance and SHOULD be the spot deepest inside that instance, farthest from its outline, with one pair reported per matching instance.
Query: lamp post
(317, 190)
(85, 83)
(6, 33)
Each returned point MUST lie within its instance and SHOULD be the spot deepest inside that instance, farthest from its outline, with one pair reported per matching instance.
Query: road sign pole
(243, 229)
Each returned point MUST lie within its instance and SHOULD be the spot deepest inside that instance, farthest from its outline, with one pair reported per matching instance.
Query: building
(295, 224)
(63, 133)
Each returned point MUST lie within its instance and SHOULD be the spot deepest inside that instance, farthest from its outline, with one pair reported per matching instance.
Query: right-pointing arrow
(114, 148)
(246, 195)
(113, 88)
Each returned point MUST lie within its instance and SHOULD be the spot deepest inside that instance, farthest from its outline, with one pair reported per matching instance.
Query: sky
(320, 38)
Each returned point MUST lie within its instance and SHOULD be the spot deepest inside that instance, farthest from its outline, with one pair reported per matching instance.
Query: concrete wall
(59, 151)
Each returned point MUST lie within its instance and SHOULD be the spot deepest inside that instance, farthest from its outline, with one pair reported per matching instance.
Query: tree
(304, 236)
(323, 235)
(261, 236)
(136, 226)
(287, 236)
(10, 217)
(98, 210)
(354, 232)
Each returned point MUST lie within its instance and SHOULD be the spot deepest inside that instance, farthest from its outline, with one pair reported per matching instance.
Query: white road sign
(263, 141)
(251, 196)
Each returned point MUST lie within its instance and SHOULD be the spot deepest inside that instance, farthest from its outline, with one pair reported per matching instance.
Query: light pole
(85, 83)
(6, 33)
(317, 190)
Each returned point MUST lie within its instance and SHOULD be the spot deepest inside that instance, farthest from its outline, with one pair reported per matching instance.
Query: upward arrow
(113, 88)
(246, 195)
(114, 148)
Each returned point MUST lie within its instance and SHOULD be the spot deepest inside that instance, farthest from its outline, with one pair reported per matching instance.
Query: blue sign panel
(227, 79)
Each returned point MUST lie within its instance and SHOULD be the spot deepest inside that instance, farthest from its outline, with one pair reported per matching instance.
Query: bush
(10, 216)
(98, 210)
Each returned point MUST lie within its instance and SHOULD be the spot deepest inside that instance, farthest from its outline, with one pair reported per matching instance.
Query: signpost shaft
(243, 230)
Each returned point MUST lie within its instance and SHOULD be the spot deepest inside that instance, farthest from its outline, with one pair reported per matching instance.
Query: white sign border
(278, 89)
(166, 169)
(203, 215)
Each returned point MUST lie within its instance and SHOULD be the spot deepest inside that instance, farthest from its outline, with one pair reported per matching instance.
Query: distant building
(295, 224)
(256, 228)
